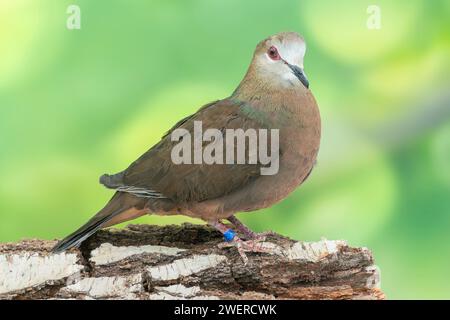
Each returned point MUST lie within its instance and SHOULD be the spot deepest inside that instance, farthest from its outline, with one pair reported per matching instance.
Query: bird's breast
(299, 140)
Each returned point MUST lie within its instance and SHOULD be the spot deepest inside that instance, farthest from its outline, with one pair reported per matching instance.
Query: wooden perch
(184, 262)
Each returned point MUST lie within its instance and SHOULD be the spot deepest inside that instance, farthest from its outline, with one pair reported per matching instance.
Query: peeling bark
(184, 262)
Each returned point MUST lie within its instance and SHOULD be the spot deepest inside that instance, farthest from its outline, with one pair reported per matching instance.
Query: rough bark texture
(184, 262)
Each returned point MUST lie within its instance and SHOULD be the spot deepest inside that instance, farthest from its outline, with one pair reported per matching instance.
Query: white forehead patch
(293, 52)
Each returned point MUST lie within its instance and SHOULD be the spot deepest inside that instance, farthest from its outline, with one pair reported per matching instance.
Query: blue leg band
(229, 235)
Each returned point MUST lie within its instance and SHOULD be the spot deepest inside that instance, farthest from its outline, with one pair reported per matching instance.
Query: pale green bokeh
(340, 29)
(77, 104)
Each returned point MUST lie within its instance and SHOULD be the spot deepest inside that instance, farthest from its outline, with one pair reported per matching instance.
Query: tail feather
(119, 203)
(76, 238)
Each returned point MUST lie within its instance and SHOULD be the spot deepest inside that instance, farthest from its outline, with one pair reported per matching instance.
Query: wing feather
(154, 175)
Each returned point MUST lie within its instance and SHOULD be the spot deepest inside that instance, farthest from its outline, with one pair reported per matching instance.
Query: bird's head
(279, 58)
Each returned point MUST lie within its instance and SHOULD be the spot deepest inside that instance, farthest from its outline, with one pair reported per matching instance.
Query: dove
(274, 95)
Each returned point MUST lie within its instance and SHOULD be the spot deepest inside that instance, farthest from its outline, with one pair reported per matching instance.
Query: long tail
(121, 207)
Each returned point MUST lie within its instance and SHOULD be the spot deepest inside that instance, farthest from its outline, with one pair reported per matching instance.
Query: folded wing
(155, 175)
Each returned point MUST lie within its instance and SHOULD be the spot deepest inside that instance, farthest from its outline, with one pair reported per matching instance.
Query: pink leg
(254, 245)
(249, 234)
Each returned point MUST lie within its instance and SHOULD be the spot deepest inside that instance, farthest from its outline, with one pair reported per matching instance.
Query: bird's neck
(255, 86)
(267, 95)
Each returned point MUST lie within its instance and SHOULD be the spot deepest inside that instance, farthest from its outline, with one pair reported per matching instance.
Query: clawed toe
(256, 245)
(255, 242)
(261, 235)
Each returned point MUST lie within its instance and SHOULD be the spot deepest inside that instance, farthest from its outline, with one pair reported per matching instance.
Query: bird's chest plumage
(298, 120)
(299, 139)
(299, 146)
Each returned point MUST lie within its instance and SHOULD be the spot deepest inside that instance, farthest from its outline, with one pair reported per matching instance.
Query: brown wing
(155, 175)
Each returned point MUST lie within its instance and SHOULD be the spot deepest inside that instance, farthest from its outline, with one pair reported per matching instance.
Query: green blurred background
(75, 104)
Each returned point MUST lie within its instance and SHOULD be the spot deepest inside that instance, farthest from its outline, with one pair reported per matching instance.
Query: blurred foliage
(78, 103)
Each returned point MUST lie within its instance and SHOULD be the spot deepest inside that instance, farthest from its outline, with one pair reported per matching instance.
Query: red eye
(273, 53)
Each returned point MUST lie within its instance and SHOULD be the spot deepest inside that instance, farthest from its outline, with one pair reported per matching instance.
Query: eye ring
(273, 53)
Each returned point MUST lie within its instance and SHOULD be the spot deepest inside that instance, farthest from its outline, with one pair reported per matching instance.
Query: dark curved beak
(298, 72)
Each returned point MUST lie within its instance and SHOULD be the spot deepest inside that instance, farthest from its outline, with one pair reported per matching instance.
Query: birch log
(185, 262)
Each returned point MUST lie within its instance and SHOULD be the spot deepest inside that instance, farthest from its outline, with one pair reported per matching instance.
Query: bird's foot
(254, 245)
(249, 234)
(259, 235)
(256, 242)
